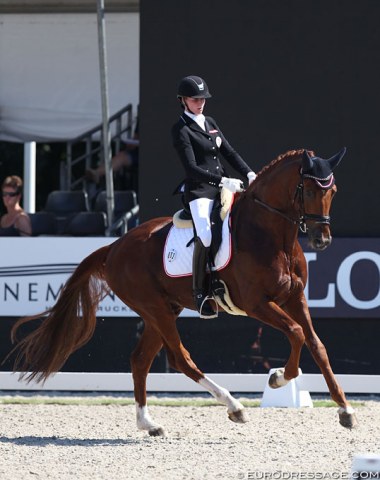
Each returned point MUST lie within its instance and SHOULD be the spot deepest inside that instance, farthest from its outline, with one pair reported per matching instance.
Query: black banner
(344, 279)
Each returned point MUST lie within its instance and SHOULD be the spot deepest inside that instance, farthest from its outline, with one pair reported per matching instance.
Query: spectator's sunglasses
(10, 194)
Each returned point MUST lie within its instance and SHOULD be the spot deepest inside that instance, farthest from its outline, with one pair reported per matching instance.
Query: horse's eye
(309, 193)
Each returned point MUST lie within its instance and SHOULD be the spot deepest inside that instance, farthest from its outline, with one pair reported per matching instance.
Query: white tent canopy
(49, 73)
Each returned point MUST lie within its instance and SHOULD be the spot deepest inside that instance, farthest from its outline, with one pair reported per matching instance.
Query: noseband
(303, 216)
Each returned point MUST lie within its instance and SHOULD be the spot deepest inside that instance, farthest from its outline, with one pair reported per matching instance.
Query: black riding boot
(200, 256)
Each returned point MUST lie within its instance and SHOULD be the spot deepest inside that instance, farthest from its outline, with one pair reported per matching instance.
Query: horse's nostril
(321, 243)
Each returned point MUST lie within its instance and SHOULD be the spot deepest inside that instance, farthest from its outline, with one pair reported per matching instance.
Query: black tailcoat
(200, 153)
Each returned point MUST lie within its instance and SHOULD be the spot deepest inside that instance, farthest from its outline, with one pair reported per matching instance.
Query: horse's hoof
(239, 416)
(157, 432)
(277, 380)
(348, 420)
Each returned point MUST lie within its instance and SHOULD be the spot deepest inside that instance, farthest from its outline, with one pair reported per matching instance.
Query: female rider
(200, 143)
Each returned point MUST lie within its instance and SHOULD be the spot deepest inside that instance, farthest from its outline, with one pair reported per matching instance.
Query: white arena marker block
(290, 395)
(365, 466)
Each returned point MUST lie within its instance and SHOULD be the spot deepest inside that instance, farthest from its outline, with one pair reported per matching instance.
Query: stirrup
(204, 307)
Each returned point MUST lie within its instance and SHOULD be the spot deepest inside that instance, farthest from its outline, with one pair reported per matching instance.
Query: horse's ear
(307, 162)
(333, 161)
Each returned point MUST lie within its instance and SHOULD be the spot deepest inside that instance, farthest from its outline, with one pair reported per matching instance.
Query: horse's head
(316, 191)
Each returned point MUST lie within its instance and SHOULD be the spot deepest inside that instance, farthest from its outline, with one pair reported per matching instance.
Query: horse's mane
(289, 155)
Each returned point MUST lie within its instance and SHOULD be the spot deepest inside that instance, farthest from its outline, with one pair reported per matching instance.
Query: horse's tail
(68, 325)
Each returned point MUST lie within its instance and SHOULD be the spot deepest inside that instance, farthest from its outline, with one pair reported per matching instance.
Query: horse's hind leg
(235, 409)
(179, 359)
(162, 330)
(141, 360)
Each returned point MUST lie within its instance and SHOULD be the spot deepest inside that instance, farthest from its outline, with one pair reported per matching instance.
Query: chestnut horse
(266, 277)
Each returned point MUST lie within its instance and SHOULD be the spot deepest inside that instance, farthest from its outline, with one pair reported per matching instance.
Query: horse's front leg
(298, 308)
(271, 314)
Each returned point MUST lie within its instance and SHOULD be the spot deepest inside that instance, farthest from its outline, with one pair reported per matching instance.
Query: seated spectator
(128, 157)
(16, 221)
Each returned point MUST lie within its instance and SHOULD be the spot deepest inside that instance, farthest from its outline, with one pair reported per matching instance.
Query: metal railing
(86, 150)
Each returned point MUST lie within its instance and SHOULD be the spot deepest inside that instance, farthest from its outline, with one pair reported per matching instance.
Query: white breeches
(200, 211)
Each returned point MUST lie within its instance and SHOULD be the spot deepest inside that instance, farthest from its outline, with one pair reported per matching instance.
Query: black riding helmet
(193, 87)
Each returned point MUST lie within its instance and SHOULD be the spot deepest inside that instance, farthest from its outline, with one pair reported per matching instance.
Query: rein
(301, 221)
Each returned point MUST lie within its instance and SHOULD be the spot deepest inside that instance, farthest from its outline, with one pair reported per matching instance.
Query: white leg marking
(348, 410)
(221, 394)
(143, 419)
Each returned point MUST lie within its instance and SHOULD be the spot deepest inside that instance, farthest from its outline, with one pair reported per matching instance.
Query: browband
(330, 180)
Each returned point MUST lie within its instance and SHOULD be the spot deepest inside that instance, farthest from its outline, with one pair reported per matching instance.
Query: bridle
(303, 216)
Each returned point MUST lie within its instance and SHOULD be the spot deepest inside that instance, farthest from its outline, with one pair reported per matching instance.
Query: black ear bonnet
(319, 169)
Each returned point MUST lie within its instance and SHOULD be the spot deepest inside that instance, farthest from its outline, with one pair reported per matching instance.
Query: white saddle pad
(178, 259)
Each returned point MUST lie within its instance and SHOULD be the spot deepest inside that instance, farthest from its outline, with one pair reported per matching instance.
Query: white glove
(251, 177)
(232, 184)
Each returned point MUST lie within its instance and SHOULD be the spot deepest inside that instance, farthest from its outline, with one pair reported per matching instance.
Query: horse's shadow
(36, 441)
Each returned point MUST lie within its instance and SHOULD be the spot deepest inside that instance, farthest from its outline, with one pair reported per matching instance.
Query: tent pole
(106, 133)
(29, 194)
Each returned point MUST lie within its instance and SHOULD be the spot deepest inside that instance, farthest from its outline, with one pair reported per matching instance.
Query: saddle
(222, 207)
(182, 218)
